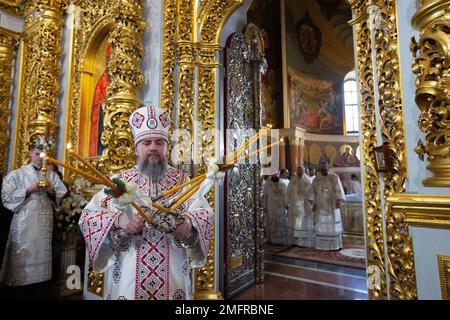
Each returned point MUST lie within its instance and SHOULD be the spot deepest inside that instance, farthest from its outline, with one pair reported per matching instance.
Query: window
(351, 103)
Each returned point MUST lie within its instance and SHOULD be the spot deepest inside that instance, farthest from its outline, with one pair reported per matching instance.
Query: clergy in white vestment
(355, 186)
(300, 217)
(273, 203)
(284, 176)
(28, 255)
(144, 261)
(328, 197)
(311, 173)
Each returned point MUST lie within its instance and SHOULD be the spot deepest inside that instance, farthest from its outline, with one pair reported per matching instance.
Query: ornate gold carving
(444, 276)
(374, 216)
(39, 86)
(122, 23)
(432, 67)
(422, 210)
(12, 2)
(9, 41)
(95, 282)
(168, 60)
(402, 284)
(12, 8)
(186, 52)
(126, 81)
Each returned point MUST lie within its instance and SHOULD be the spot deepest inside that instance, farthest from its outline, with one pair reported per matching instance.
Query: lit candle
(256, 151)
(246, 144)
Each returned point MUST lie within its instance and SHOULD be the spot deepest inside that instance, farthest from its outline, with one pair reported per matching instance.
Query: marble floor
(293, 279)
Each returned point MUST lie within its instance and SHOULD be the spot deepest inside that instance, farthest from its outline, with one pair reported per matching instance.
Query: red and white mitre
(149, 122)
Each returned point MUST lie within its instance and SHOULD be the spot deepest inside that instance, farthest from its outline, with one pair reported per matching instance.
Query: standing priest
(27, 266)
(328, 197)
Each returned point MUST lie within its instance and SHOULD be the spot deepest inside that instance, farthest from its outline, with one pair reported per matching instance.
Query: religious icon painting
(309, 38)
(382, 158)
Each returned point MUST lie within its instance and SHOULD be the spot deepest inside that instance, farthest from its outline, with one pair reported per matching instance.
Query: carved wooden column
(126, 81)
(432, 67)
(39, 87)
(9, 41)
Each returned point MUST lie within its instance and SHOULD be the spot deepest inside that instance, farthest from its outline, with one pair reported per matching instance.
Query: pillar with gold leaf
(432, 67)
(9, 41)
(40, 69)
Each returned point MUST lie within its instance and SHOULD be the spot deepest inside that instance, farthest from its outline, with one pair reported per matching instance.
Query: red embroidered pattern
(150, 134)
(202, 222)
(138, 120)
(153, 267)
(95, 226)
(164, 118)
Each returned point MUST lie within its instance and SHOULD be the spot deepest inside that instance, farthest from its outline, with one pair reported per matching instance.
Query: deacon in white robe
(328, 196)
(300, 217)
(145, 262)
(273, 203)
(28, 256)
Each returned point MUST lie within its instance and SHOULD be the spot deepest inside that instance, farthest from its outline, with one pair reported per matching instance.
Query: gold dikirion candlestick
(45, 182)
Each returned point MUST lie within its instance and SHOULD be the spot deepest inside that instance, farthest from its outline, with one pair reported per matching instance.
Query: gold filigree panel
(39, 87)
(372, 201)
(384, 41)
(9, 42)
(187, 58)
(121, 23)
(444, 275)
(168, 60)
(401, 283)
(14, 8)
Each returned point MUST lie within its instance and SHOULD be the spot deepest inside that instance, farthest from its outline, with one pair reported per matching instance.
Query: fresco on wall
(309, 38)
(346, 157)
(315, 105)
(266, 15)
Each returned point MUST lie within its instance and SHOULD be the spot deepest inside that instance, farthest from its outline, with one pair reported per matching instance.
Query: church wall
(266, 14)
(294, 56)
(151, 61)
(15, 24)
(64, 100)
(314, 77)
(11, 22)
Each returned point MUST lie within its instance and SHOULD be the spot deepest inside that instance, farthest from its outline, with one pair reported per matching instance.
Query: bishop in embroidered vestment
(150, 264)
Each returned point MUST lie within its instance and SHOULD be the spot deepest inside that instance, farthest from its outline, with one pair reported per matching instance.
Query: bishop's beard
(155, 171)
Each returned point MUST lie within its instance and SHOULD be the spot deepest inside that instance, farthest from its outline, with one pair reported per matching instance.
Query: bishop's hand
(133, 225)
(184, 229)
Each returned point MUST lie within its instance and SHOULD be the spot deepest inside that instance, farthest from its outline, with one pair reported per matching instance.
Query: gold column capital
(432, 66)
(428, 12)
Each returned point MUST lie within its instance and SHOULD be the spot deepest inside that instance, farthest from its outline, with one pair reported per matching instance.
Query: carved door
(243, 228)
